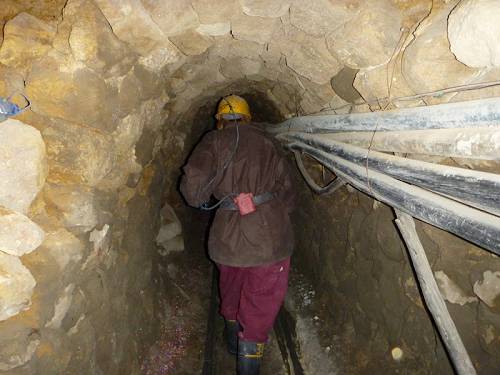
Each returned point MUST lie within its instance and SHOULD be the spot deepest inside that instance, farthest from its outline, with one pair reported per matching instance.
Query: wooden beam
(432, 296)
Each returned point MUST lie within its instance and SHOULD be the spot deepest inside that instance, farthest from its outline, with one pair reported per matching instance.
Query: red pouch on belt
(245, 203)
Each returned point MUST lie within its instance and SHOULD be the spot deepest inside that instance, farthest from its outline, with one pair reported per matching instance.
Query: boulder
(473, 31)
(265, 8)
(23, 164)
(370, 37)
(191, 43)
(254, 29)
(16, 286)
(26, 38)
(18, 234)
(428, 63)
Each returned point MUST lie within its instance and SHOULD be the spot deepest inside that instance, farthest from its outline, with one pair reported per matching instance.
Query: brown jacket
(262, 237)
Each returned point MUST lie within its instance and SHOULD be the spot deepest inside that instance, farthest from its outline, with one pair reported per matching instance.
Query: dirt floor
(180, 349)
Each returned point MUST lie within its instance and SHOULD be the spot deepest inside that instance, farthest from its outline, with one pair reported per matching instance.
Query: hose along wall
(460, 201)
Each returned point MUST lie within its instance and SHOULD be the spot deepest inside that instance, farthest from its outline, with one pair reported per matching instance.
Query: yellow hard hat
(233, 107)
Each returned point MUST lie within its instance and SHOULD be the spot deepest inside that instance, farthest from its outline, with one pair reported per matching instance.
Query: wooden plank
(478, 189)
(432, 296)
(476, 226)
(469, 114)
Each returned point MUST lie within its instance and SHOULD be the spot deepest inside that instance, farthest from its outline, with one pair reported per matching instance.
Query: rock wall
(115, 88)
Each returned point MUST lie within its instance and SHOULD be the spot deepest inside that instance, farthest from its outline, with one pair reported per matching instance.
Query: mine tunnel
(388, 114)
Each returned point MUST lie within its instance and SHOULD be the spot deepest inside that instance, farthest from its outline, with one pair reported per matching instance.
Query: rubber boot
(249, 357)
(231, 332)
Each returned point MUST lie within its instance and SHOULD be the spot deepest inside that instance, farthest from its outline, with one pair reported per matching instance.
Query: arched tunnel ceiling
(291, 50)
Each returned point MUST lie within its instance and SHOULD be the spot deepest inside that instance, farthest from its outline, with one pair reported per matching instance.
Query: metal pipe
(328, 189)
(432, 296)
(469, 114)
(469, 223)
(472, 143)
(478, 189)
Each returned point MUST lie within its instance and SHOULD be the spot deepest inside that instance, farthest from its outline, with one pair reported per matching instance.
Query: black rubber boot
(231, 333)
(249, 357)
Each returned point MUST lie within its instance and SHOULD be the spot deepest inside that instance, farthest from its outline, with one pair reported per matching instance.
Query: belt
(228, 204)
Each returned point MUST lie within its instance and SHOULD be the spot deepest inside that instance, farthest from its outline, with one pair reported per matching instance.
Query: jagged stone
(64, 248)
(488, 290)
(308, 56)
(26, 38)
(92, 41)
(172, 17)
(191, 42)
(265, 8)
(370, 37)
(236, 68)
(320, 17)
(76, 204)
(60, 87)
(428, 63)
(451, 291)
(18, 234)
(254, 29)
(23, 164)
(214, 29)
(61, 308)
(16, 286)
(214, 12)
(473, 31)
(11, 81)
(169, 237)
(133, 24)
(77, 154)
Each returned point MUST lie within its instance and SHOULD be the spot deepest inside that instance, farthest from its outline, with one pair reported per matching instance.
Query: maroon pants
(253, 296)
